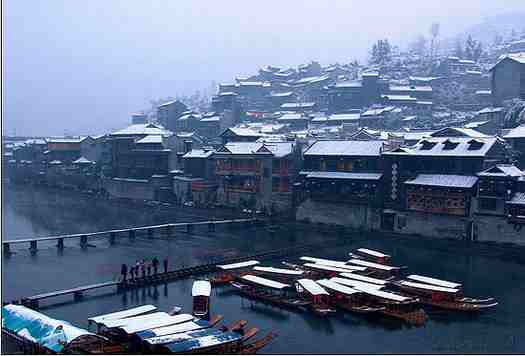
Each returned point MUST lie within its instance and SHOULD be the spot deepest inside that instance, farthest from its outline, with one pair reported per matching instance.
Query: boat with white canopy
(434, 281)
(366, 279)
(201, 291)
(372, 255)
(232, 270)
(316, 294)
(348, 298)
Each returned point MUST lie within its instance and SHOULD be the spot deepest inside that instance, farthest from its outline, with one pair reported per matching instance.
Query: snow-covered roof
(344, 175)
(490, 109)
(82, 160)
(412, 88)
(285, 94)
(444, 180)
(394, 97)
(448, 146)
(198, 153)
(345, 148)
(344, 117)
(517, 57)
(150, 139)
(312, 287)
(291, 117)
(201, 288)
(297, 105)
(142, 129)
(242, 131)
(502, 170)
(278, 149)
(518, 132)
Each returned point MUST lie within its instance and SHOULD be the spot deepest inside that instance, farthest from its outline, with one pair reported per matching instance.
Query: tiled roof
(449, 146)
(142, 129)
(151, 139)
(345, 148)
(444, 180)
(502, 170)
(198, 154)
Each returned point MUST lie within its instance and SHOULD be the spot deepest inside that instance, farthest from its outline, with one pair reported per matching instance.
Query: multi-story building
(255, 175)
(508, 78)
(168, 113)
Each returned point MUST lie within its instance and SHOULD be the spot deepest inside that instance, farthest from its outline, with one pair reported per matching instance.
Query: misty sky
(73, 67)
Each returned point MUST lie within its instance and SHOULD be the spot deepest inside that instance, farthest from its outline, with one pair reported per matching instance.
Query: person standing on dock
(137, 265)
(155, 263)
(124, 272)
(149, 269)
(165, 263)
(143, 268)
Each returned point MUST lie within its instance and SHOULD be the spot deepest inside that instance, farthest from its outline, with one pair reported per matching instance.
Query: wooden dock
(112, 235)
(181, 273)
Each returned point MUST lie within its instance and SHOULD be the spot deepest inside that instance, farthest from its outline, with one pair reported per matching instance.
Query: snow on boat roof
(265, 282)
(359, 277)
(278, 270)
(312, 287)
(156, 323)
(115, 323)
(437, 282)
(372, 252)
(124, 313)
(201, 288)
(429, 287)
(337, 287)
(202, 342)
(355, 284)
(331, 263)
(385, 295)
(173, 329)
(372, 265)
(239, 265)
(173, 338)
(333, 268)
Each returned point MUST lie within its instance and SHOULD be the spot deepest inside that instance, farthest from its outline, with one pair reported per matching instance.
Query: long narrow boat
(347, 298)
(355, 284)
(212, 341)
(397, 306)
(380, 270)
(366, 279)
(268, 290)
(200, 292)
(230, 271)
(330, 271)
(371, 255)
(316, 295)
(444, 297)
(122, 314)
(283, 275)
(252, 348)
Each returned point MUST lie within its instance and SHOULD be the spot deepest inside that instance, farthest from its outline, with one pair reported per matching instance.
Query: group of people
(142, 268)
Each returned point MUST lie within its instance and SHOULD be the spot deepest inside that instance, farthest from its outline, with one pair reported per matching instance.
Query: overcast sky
(83, 67)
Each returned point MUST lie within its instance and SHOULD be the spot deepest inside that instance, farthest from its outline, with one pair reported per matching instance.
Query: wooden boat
(444, 297)
(122, 314)
(398, 306)
(330, 271)
(268, 290)
(371, 255)
(316, 295)
(366, 279)
(380, 270)
(230, 271)
(348, 298)
(280, 274)
(200, 292)
(257, 345)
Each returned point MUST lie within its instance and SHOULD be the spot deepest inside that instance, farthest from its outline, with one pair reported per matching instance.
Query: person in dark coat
(155, 263)
(149, 269)
(143, 268)
(165, 263)
(124, 271)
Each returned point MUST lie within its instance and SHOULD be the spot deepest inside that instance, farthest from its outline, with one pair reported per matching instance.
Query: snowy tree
(381, 52)
(419, 46)
(434, 33)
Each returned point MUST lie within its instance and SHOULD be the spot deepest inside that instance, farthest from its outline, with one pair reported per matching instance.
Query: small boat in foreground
(200, 292)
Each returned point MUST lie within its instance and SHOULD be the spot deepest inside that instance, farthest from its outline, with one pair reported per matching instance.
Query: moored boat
(444, 297)
(395, 305)
(371, 255)
(200, 292)
(268, 290)
(316, 294)
(230, 271)
(380, 270)
(283, 275)
(348, 298)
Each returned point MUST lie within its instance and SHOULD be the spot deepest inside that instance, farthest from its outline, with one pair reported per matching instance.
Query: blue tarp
(214, 339)
(37, 327)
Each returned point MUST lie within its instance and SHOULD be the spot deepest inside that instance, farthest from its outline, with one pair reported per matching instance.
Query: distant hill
(502, 24)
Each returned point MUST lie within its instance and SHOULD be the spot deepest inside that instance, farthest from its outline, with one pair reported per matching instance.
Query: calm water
(40, 213)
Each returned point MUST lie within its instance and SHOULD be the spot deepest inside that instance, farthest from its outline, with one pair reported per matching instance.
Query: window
(487, 204)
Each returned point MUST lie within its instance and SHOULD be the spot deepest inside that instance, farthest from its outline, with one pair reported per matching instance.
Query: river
(29, 212)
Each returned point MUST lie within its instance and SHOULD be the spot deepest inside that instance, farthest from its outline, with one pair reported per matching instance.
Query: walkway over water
(77, 292)
(112, 234)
